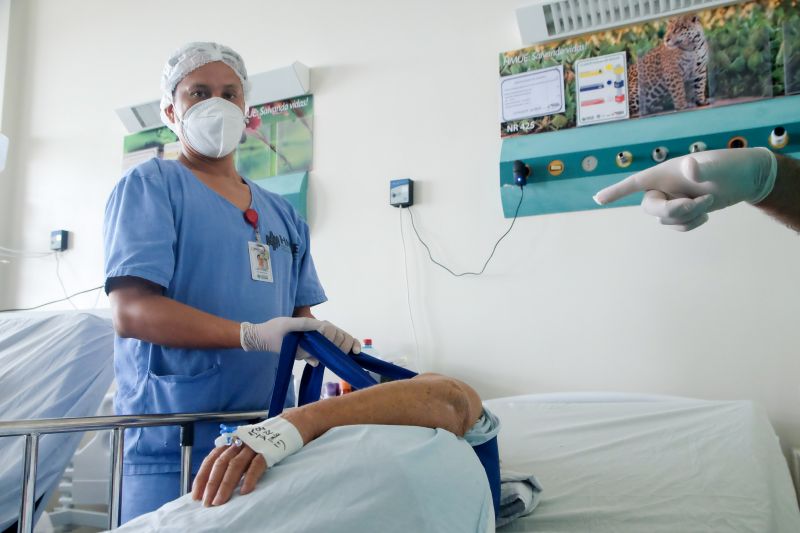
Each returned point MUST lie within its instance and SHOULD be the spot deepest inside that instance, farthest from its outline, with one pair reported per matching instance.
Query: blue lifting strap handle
(351, 369)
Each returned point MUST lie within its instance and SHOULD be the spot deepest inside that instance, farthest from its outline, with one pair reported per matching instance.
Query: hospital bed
(52, 365)
(607, 462)
(635, 463)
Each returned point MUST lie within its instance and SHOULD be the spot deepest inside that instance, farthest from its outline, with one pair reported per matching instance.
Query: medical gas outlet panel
(568, 167)
(586, 110)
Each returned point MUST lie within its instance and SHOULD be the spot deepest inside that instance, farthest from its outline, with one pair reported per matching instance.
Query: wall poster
(713, 57)
(276, 149)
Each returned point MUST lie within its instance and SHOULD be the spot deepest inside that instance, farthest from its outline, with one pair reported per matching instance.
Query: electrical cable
(22, 254)
(408, 292)
(49, 303)
(503, 236)
(61, 282)
(96, 300)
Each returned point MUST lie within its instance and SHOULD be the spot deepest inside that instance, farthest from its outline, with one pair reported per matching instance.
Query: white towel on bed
(519, 496)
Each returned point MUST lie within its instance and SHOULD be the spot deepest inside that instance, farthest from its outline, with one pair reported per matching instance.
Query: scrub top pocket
(173, 393)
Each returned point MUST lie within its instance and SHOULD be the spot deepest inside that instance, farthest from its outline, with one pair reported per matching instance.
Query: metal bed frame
(33, 429)
(313, 342)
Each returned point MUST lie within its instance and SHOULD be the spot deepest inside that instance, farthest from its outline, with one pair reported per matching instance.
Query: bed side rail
(33, 429)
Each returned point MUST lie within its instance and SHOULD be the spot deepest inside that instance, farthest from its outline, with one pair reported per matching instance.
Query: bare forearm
(141, 311)
(164, 321)
(783, 203)
(303, 312)
(428, 400)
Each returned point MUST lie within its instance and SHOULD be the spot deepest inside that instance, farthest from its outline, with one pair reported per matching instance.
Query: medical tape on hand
(248, 337)
(275, 438)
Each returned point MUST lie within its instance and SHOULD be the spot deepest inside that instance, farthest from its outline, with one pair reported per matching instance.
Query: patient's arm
(428, 400)
(783, 203)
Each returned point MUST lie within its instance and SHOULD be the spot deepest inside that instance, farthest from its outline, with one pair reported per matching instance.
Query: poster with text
(278, 139)
(601, 89)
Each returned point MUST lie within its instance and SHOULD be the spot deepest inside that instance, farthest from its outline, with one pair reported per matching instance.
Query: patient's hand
(428, 400)
(221, 471)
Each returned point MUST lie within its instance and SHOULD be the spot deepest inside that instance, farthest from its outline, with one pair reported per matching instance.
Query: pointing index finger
(653, 178)
(619, 190)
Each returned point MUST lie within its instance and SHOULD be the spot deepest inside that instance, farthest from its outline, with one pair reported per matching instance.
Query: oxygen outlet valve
(624, 159)
(698, 146)
(778, 138)
(660, 154)
(737, 142)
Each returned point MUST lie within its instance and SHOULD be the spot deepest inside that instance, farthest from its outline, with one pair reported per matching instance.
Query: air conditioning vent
(140, 117)
(548, 20)
(148, 114)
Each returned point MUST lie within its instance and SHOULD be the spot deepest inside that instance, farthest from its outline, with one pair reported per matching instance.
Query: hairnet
(192, 56)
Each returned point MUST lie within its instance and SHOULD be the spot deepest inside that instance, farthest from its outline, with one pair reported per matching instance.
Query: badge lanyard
(260, 262)
(251, 217)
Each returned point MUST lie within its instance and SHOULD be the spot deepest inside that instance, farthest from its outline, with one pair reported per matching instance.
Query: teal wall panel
(574, 188)
(293, 187)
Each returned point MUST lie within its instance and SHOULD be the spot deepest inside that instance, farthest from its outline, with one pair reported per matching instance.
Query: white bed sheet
(634, 463)
(382, 479)
(51, 366)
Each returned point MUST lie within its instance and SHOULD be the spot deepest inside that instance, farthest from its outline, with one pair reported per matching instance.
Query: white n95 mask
(212, 127)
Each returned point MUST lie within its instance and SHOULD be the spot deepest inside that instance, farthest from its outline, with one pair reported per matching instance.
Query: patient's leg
(428, 400)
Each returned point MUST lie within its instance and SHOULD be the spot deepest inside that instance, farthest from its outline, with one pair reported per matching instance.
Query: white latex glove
(681, 192)
(268, 336)
(343, 340)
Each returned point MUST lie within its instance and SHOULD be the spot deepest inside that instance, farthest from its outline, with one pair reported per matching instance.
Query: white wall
(585, 301)
(9, 39)
(5, 20)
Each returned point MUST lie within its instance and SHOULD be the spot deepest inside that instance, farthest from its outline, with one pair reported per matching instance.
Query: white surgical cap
(192, 56)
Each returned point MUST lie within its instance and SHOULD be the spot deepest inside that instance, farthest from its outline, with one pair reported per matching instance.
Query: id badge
(260, 263)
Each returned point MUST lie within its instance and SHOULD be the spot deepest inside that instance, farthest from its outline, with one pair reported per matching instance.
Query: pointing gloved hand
(682, 191)
(268, 336)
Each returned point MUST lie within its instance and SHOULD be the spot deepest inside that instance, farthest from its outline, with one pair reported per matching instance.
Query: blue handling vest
(351, 368)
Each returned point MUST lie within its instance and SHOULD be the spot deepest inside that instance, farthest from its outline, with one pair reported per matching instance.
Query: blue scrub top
(164, 225)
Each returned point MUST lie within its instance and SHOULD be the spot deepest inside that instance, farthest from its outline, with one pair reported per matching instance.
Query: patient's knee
(458, 400)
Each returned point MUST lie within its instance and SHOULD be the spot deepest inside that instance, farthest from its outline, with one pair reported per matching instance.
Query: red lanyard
(251, 217)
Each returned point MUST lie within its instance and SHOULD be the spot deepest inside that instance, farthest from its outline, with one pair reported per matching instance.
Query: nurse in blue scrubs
(206, 272)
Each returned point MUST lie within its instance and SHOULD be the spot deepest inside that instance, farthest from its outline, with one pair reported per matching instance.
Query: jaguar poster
(706, 58)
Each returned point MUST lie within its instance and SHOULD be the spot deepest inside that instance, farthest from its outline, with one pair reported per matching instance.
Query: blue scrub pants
(142, 493)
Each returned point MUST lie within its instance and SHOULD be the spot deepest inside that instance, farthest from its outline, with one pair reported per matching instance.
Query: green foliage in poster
(155, 138)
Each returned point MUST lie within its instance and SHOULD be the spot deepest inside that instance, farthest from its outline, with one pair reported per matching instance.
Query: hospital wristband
(768, 184)
(275, 438)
